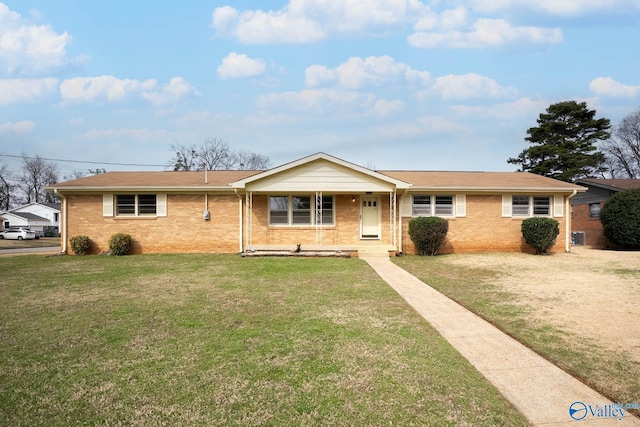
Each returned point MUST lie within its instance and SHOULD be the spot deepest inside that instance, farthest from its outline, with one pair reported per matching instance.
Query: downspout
(567, 224)
(240, 221)
(400, 221)
(63, 223)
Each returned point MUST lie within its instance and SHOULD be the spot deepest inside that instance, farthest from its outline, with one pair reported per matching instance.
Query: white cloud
(520, 108)
(307, 21)
(384, 108)
(609, 87)
(175, 91)
(372, 71)
(25, 90)
(564, 8)
(317, 100)
(236, 66)
(258, 27)
(85, 89)
(30, 49)
(486, 33)
(21, 127)
(470, 86)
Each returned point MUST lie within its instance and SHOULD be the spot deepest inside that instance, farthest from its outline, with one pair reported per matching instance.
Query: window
(444, 205)
(421, 206)
(520, 206)
(278, 210)
(327, 210)
(432, 205)
(300, 210)
(594, 210)
(526, 206)
(135, 205)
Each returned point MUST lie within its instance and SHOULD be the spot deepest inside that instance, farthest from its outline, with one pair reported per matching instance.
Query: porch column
(318, 218)
(249, 216)
(392, 218)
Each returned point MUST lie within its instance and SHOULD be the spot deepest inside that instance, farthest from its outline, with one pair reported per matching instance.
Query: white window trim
(555, 206)
(313, 210)
(458, 205)
(109, 206)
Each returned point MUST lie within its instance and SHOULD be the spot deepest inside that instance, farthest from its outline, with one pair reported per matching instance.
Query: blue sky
(387, 84)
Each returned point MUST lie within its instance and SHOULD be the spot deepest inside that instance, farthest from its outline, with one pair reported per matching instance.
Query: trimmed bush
(620, 218)
(80, 244)
(119, 244)
(540, 233)
(428, 233)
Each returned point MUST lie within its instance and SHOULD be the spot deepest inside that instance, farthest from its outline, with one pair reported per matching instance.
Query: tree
(215, 154)
(623, 150)
(36, 174)
(6, 188)
(620, 218)
(564, 143)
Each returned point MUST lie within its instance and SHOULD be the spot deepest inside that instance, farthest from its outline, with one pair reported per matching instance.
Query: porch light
(353, 199)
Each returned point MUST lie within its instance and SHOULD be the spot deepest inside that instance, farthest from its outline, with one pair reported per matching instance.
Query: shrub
(620, 218)
(540, 233)
(428, 234)
(119, 244)
(80, 244)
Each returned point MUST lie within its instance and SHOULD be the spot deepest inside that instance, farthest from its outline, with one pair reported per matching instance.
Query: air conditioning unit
(578, 238)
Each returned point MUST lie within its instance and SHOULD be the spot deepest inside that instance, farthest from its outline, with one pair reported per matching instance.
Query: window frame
(434, 206)
(134, 208)
(591, 213)
(295, 210)
(533, 206)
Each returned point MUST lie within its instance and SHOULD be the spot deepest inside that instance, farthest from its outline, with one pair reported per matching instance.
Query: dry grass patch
(578, 310)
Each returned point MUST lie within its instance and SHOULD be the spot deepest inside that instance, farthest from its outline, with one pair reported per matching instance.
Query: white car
(17, 234)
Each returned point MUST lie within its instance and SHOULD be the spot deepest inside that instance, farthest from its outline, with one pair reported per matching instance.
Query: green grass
(222, 340)
(611, 373)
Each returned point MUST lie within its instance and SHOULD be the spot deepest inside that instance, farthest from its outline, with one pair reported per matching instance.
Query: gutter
(567, 223)
(63, 223)
(240, 222)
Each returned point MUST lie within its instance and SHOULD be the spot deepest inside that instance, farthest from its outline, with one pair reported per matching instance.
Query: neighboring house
(320, 202)
(43, 218)
(585, 208)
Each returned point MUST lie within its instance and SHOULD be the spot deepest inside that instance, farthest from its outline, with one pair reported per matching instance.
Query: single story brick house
(319, 202)
(585, 208)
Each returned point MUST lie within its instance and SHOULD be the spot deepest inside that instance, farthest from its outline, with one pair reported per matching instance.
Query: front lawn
(221, 340)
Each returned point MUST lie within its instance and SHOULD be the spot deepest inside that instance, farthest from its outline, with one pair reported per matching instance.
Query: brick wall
(183, 230)
(592, 227)
(345, 232)
(483, 229)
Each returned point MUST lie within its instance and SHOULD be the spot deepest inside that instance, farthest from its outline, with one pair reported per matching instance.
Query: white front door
(370, 218)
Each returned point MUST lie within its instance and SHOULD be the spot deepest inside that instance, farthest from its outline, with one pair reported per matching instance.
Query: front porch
(366, 248)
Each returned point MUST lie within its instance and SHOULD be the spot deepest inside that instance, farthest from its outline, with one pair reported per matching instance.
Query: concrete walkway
(541, 391)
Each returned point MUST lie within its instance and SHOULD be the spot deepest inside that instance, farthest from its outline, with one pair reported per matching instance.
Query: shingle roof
(476, 181)
(166, 179)
(480, 180)
(613, 184)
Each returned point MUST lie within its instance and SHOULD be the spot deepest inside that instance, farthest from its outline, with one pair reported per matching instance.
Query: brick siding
(483, 229)
(185, 230)
(592, 227)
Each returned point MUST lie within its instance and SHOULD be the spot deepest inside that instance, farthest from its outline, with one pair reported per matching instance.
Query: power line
(81, 161)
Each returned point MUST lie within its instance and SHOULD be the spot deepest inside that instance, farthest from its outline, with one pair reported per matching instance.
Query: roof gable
(320, 172)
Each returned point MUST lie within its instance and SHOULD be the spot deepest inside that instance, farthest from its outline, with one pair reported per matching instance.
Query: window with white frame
(136, 204)
(300, 210)
(530, 206)
(427, 205)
